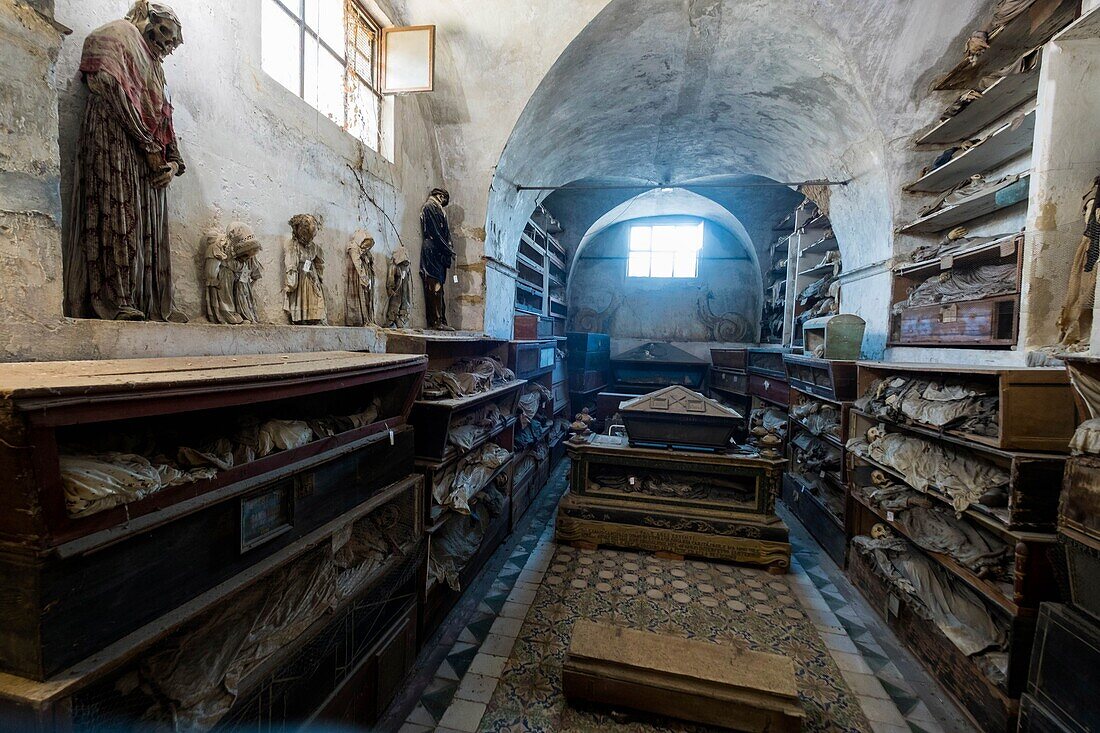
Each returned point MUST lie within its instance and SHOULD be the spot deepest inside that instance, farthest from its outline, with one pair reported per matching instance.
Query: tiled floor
(460, 667)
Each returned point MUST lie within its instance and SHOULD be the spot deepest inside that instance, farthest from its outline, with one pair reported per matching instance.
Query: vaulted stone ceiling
(662, 91)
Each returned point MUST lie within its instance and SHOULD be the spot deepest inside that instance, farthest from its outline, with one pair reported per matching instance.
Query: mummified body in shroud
(117, 259)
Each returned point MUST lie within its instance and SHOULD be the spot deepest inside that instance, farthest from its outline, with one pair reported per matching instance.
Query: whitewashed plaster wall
(255, 153)
(665, 310)
(778, 88)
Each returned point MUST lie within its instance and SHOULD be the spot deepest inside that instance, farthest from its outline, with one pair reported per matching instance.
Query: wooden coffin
(530, 359)
(979, 323)
(1065, 671)
(727, 380)
(340, 618)
(145, 575)
(529, 327)
(729, 358)
(817, 517)
(1036, 406)
(767, 362)
(657, 365)
(828, 379)
(838, 337)
(607, 404)
(774, 390)
(993, 707)
(1082, 557)
(738, 484)
(75, 408)
(726, 686)
(1079, 508)
(677, 416)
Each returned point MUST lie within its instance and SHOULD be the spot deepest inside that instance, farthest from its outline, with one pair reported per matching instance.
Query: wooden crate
(582, 381)
(588, 343)
(729, 358)
(529, 327)
(731, 381)
(1065, 670)
(1037, 411)
(774, 390)
(992, 322)
(830, 380)
(767, 362)
(530, 359)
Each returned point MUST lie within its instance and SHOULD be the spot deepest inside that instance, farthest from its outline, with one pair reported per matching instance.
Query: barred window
(665, 251)
(326, 52)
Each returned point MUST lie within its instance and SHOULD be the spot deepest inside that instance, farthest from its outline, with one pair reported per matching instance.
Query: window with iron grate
(327, 53)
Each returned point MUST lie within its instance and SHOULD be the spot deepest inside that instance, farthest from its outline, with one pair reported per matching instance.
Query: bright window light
(665, 250)
(325, 51)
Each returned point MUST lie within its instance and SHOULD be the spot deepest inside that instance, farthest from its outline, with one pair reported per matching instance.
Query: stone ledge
(72, 339)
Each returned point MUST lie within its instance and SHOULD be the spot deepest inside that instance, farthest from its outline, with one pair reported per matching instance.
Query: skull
(880, 532)
(163, 34)
(880, 479)
(875, 433)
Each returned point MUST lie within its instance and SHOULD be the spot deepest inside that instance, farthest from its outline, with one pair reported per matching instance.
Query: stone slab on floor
(728, 686)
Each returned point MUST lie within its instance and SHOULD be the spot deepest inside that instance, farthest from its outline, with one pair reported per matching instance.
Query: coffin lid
(659, 353)
(677, 400)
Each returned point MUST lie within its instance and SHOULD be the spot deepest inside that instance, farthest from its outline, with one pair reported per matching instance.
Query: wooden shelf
(979, 254)
(1031, 28)
(1011, 141)
(461, 404)
(816, 272)
(1000, 594)
(1085, 28)
(821, 246)
(806, 493)
(992, 519)
(974, 207)
(1003, 96)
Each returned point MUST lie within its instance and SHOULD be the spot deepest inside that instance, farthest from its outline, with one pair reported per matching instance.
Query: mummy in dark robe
(436, 257)
(117, 258)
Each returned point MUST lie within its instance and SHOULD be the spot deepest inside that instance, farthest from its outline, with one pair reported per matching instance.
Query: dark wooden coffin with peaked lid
(677, 416)
(656, 365)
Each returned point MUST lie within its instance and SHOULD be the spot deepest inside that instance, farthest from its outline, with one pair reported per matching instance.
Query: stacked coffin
(954, 474)
(207, 541)
(693, 497)
(466, 438)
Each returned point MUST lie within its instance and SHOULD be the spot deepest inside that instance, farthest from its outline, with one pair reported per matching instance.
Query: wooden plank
(1009, 142)
(729, 686)
(1032, 28)
(1003, 96)
(972, 208)
(29, 379)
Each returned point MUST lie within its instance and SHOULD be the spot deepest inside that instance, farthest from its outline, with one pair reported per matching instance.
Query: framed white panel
(408, 59)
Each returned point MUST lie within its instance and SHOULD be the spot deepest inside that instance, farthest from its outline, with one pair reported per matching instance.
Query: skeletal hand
(164, 175)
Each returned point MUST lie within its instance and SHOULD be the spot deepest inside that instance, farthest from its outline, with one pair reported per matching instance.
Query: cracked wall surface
(255, 153)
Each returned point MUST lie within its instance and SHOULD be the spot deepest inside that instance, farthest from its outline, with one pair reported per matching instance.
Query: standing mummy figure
(436, 256)
(117, 258)
(359, 295)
